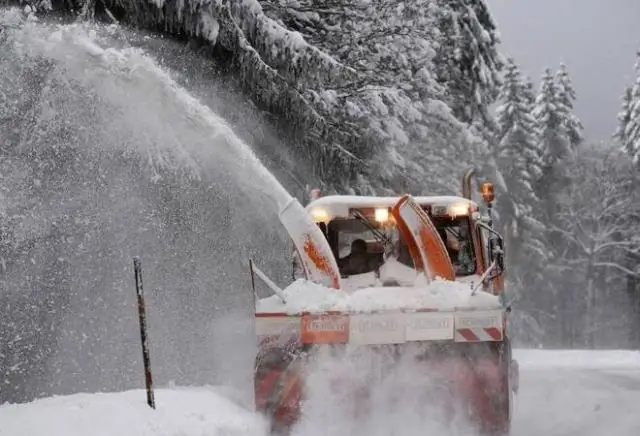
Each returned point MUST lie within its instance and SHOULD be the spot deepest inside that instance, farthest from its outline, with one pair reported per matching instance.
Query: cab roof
(339, 205)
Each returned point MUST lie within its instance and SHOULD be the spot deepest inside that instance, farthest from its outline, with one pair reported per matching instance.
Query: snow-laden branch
(618, 267)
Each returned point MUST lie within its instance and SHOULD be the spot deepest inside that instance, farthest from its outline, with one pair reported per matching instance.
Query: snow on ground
(179, 412)
(578, 393)
(305, 296)
(579, 359)
(562, 393)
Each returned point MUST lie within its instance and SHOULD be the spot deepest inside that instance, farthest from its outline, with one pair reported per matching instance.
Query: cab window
(355, 246)
(456, 235)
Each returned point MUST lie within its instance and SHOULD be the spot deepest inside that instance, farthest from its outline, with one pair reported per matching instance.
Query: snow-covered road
(562, 393)
(578, 393)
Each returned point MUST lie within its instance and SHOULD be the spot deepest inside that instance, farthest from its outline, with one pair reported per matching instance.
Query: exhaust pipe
(466, 183)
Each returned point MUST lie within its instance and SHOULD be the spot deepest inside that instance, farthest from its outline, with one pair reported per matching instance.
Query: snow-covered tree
(518, 161)
(350, 84)
(554, 148)
(468, 62)
(566, 95)
(517, 151)
(552, 133)
(624, 116)
(628, 130)
(598, 235)
(401, 110)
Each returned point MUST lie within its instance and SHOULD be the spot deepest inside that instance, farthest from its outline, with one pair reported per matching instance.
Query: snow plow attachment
(398, 276)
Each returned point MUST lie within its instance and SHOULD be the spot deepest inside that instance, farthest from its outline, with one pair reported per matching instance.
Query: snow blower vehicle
(390, 273)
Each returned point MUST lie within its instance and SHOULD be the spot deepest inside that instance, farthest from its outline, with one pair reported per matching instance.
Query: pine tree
(628, 131)
(553, 148)
(552, 114)
(566, 95)
(519, 164)
(517, 153)
(624, 115)
(467, 60)
(554, 142)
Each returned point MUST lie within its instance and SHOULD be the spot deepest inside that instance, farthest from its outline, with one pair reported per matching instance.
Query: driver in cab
(451, 243)
(357, 261)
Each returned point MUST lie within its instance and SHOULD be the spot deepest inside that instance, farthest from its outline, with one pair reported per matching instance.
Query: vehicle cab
(370, 248)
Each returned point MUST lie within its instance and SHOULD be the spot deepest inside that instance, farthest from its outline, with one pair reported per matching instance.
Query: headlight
(319, 214)
(460, 209)
(382, 215)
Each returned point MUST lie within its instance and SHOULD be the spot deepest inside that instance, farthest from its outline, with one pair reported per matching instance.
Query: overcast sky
(596, 39)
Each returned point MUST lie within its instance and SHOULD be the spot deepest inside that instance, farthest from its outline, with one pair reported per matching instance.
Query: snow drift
(180, 412)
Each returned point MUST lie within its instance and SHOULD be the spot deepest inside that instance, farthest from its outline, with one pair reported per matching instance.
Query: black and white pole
(143, 333)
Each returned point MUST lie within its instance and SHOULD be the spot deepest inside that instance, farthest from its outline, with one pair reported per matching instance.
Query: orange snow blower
(419, 276)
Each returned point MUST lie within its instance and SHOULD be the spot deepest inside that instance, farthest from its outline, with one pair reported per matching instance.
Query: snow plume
(104, 157)
(114, 75)
(401, 396)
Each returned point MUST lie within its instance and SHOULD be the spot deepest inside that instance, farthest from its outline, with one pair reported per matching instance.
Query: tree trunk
(633, 290)
(589, 318)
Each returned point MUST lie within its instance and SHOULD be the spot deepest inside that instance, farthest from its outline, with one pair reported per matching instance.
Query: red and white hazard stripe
(478, 334)
(478, 326)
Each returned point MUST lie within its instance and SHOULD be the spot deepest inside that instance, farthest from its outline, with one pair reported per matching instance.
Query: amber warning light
(315, 194)
(488, 193)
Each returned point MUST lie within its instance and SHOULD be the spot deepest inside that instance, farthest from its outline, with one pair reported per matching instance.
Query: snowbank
(180, 412)
(305, 296)
(580, 359)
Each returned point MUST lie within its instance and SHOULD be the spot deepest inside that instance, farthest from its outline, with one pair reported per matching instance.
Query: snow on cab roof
(358, 201)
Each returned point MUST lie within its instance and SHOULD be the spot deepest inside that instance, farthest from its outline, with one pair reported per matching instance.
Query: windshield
(362, 246)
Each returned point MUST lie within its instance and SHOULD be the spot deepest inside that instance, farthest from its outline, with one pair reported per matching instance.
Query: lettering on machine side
(325, 329)
(429, 326)
(479, 320)
(373, 329)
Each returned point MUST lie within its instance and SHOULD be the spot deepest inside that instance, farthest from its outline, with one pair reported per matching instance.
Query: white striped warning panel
(389, 328)
(478, 326)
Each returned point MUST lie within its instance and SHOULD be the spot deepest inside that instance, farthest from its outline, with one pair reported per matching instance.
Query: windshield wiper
(381, 237)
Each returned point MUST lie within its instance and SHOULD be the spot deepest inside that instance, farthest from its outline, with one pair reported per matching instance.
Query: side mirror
(495, 245)
(496, 251)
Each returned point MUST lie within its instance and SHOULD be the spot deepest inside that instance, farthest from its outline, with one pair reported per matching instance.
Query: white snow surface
(562, 393)
(579, 359)
(577, 393)
(442, 295)
(179, 412)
